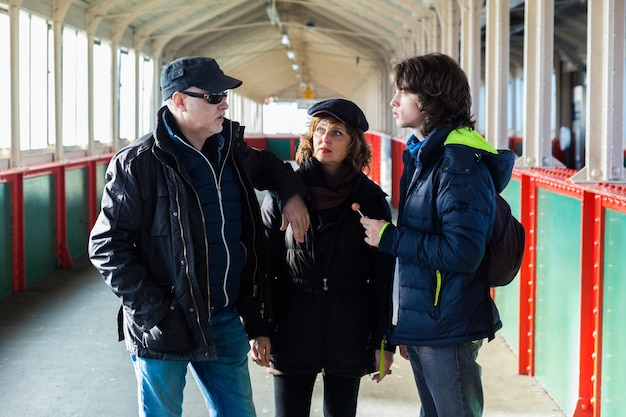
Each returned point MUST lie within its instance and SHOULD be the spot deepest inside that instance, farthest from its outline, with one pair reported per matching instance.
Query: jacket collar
(167, 128)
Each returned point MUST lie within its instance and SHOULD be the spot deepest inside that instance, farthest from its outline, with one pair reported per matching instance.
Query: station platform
(59, 356)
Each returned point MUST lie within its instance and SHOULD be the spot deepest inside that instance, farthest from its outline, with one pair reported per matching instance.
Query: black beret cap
(342, 109)
(195, 71)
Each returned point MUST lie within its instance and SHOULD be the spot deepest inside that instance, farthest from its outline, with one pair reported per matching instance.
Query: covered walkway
(59, 356)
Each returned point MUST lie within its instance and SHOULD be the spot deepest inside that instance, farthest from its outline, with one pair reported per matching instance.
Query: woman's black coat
(331, 313)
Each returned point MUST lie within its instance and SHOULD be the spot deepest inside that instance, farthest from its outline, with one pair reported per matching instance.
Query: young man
(442, 310)
(178, 240)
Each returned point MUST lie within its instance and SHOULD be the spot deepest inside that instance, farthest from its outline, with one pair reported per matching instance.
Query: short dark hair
(441, 86)
(359, 153)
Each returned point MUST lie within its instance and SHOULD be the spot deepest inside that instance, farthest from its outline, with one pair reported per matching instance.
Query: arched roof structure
(281, 47)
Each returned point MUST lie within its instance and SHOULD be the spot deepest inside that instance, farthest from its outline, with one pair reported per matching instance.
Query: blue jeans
(448, 379)
(224, 382)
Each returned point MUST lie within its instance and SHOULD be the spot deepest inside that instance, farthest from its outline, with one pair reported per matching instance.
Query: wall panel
(40, 234)
(613, 400)
(77, 216)
(557, 325)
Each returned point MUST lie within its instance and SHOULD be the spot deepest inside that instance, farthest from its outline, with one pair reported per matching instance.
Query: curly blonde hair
(359, 151)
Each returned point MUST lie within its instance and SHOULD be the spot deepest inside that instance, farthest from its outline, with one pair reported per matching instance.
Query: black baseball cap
(195, 71)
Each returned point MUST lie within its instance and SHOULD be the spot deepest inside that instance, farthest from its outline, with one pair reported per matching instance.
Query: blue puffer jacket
(445, 218)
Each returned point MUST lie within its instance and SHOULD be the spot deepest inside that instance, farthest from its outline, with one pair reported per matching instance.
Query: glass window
(35, 89)
(284, 118)
(75, 120)
(127, 95)
(69, 85)
(24, 81)
(102, 91)
(5, 81)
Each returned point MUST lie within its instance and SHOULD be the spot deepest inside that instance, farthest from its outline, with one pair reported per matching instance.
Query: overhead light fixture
(295, 67)
(291, 54)
(272, 13)
(284, 39)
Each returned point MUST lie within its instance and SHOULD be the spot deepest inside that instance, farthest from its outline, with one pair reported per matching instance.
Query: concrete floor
(59, 356)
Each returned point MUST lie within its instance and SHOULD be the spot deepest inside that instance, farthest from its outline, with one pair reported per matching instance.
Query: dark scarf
(328, 191)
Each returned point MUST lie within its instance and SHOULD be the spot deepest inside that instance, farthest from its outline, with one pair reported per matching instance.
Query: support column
(497, 73)
(14, 22)
(605, 75)
(447, 11)
(91, 146)
(59, 9)
(470, 46)
(138, 91)
(538, 59)
(115, 99)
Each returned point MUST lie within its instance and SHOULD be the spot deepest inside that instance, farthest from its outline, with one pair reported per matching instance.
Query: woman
(330, 294)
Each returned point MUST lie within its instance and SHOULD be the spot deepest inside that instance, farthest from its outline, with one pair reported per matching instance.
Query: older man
(179, 241)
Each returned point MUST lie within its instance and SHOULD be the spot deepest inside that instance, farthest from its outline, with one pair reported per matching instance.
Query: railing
(46, 201)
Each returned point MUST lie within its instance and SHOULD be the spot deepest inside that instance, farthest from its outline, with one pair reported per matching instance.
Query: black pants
(292, 395)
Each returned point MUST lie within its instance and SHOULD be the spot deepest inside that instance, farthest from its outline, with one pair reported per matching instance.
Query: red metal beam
(591, 254)
(528, 209)
(374, 140)
(598, 304)
(16, 179)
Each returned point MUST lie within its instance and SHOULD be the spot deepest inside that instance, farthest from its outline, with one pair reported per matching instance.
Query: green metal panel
(281, 147)
(39, 227)
(557, 325)
(613, 401)
(6, 241)
(76, 188)
(507, 298)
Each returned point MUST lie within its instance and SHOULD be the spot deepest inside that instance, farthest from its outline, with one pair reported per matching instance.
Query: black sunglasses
(212, 98)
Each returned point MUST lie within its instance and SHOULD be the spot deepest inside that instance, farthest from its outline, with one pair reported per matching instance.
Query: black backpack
(505, 249)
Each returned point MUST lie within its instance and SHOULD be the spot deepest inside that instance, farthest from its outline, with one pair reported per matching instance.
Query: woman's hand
(260, 350)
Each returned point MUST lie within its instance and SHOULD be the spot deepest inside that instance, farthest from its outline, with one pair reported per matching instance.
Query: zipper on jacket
(185, 250)
(437, 287)
(218, 186)
(217, 177)
(325, 287)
